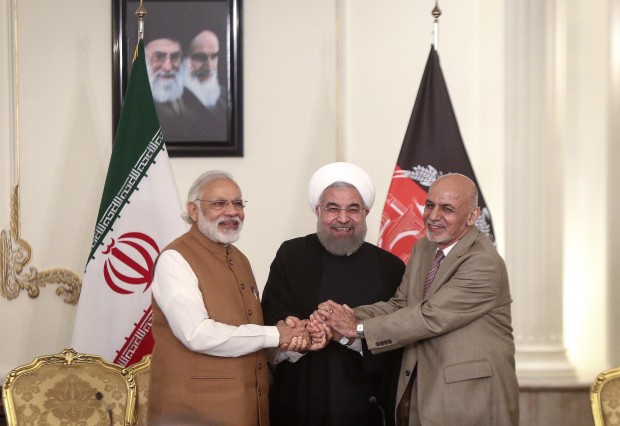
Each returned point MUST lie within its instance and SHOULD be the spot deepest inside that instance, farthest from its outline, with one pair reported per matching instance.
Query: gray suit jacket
(459, 338)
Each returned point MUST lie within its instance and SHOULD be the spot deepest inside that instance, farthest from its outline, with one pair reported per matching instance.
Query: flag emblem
(129, 262)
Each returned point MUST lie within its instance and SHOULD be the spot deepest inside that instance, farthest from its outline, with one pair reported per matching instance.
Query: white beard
(165, 89)
(211, 231)
(207, 92)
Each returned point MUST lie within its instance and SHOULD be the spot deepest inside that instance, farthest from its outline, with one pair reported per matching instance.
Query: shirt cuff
(356, 346)
(277, 356)
(272, 336)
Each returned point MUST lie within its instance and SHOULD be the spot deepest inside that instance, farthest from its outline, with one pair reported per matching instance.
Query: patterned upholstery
(69, 389)
(141, 375)
(605, 398)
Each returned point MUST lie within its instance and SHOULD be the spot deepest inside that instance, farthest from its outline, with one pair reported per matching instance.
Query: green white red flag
(432, 147)
(139, 214)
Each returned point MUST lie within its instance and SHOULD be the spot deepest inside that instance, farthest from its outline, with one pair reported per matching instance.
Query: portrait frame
(182, 20)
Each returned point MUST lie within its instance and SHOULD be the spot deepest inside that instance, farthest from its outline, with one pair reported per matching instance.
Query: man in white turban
(343, 383)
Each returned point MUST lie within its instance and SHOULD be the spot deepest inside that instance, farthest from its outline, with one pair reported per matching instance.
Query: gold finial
(436, 11)
(141, 13)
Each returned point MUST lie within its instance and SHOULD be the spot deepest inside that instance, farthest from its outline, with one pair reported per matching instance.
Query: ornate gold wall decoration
(15, 276)
(15, 253)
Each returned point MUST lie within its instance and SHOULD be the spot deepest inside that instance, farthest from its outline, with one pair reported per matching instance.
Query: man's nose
(167, 65)
(435, 213)
(343, 215)
(230, 210)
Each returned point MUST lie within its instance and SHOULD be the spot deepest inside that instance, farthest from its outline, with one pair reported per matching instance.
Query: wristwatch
(360, 330)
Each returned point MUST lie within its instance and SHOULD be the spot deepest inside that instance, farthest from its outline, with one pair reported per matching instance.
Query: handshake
(331, 321)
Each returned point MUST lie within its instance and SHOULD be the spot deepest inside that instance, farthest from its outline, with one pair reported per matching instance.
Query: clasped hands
(302, 335)
(331, 321)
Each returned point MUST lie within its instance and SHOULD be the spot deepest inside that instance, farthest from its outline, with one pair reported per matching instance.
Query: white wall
(586, 156)
(324, 80)
(385, 52)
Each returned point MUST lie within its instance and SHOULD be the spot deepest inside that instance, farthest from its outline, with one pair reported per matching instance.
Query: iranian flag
(139, 215)
(432, 147)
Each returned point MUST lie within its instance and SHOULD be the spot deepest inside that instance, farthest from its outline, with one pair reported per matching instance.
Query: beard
(211, 230)
(440, 236)
(341, 245)
(165, 89)
(207, 92)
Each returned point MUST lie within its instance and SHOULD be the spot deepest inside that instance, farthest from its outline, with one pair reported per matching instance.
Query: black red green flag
(432, 147)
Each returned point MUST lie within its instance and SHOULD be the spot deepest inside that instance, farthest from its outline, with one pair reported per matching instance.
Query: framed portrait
(193, 54)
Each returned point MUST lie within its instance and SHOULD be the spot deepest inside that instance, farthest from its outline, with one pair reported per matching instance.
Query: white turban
(340, 172)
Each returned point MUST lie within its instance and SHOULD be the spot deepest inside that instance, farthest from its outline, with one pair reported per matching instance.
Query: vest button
(242, 286)
(260, 366)
(249, 312)
(231, 262)
(407, 373)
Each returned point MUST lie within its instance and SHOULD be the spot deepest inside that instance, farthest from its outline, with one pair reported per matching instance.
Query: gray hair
(200, 182)
(339, 185)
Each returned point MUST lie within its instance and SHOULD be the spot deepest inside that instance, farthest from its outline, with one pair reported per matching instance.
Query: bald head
(451, 209)
(461, 184)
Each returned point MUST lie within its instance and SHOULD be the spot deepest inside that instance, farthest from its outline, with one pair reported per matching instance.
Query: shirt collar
(448, 249)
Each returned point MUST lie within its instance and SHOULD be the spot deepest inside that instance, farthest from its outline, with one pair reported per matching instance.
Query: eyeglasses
(353, 211)
(160, 57)
(238, 203)
(203, 57)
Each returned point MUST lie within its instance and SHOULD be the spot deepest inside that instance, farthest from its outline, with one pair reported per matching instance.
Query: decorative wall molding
(15, 253)
(15, 275)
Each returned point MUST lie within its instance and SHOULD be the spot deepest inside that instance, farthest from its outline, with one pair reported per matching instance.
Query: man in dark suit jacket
(458, 364)
(333, 386)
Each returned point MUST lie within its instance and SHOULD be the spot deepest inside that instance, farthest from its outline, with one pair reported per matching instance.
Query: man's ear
(473, 216)
(192, 211)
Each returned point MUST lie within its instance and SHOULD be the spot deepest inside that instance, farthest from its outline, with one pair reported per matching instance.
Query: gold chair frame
(597, 394)
(69, 357)
(141, 372)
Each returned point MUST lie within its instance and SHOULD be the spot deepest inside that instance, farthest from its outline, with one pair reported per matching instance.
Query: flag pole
(436, 13)
(141, 13)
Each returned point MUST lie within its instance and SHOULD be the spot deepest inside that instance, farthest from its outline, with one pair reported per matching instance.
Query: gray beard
(207, 92)
(166, 90)
(341, 246)
(210, 230)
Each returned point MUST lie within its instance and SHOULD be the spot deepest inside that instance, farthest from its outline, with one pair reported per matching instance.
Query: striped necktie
(433, 271)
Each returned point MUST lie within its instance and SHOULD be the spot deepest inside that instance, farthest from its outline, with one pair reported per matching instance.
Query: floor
(548, 406)
(555, 406)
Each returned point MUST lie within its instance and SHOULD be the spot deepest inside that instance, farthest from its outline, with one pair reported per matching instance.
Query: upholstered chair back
(605, 398)
(69, 388)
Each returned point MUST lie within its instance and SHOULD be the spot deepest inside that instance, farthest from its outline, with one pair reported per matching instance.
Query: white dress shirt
(175, 289)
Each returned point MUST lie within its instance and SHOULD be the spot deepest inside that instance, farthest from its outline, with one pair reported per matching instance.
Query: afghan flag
(432, 147)
(139, 215)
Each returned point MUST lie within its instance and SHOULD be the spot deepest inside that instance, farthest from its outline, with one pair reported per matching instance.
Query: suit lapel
(427, 254)
(461, 247)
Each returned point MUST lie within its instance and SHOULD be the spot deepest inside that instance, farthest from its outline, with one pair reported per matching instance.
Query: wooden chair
(141, 375)
(69, 388)
(605, 398)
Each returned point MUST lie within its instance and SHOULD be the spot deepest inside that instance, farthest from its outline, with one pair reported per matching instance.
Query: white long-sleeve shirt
(175, 289)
